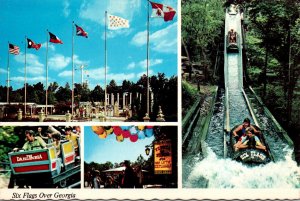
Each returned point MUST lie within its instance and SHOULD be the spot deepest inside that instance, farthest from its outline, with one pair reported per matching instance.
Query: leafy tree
(202, 22)
(8, 141)
(64, 93)
(97, 94)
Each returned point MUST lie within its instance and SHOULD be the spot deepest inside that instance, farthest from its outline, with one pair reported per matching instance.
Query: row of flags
(114, 22)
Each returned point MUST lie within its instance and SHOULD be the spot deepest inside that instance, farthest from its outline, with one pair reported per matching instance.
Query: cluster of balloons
(134, 133)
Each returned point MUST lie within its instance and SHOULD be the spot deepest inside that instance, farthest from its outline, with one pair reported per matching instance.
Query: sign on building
(163, 157)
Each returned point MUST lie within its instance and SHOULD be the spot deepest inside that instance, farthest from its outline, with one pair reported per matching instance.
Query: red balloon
(150, 127)
(134, 138)
(126, 134)
(117, 130)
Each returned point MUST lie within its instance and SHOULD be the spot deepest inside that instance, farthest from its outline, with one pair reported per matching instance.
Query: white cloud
(94, 9)
(139, 75)
(114, 33)
(66, 9)
(33, 65)
(3, 70)
(152, 62)
(77, 61)
(29, 79)
(132, 65)
(58, 62)
(163, 41)
(143, 64)
(98, 74)
(140, 38)
(67, 73)
(119, 77)
(50, 46)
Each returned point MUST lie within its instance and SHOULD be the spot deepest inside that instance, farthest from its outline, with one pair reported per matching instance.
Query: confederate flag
(31, 44)
(54, 38)
(163, 11)
(80, 31)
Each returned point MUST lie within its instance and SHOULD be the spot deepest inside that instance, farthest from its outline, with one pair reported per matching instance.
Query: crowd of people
(42, 139)
(128, 178)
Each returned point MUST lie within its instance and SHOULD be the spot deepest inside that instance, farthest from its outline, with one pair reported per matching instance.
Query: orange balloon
(99, 130)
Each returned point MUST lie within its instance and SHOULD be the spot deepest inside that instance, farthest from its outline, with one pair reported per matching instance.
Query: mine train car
(41, 168)
(251, 155)
(232, 46)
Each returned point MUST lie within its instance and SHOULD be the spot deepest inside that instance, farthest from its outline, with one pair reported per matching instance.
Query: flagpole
(47, 75)
(72, 102)
(25, 80)
(105, 63)
(7, 92)
(148, 55)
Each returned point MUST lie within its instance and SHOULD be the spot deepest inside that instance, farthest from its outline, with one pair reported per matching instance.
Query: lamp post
(147, 150)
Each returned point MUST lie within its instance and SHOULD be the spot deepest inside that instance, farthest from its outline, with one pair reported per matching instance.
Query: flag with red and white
(115, 22)
(162, 11)
(13, 49)
(31, 44)
(80, 31)
(54, 38)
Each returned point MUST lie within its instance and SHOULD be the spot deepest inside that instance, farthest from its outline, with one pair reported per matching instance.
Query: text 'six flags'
(80, 31)
(13, 49)
(31, 44)
(54, 38)
(163, 11)
(115, 22)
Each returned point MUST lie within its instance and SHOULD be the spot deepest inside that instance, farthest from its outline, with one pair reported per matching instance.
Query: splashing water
(213, 172)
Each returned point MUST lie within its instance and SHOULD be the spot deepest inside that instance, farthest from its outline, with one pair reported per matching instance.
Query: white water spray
(227, 173)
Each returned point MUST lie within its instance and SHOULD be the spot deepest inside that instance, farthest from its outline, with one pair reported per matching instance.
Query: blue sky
(126, 48)
(109, 149)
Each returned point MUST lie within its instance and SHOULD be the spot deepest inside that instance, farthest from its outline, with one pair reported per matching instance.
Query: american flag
(115, 22)
(13, 49)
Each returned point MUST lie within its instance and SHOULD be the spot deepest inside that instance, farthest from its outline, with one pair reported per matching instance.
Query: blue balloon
(149, 132)
(141, 135)
(124, 128)
(133, 130)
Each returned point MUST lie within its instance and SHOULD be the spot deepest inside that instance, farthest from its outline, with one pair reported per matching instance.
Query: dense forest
(272, 51)
(60, 96)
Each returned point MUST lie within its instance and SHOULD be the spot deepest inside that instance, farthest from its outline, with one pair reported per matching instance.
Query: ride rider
(33, 142)
(249, 141)
(240, 130)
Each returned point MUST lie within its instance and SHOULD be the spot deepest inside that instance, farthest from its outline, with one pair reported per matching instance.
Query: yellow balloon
(141, 127)
(109, 131)
(102, 136)
(120, 138)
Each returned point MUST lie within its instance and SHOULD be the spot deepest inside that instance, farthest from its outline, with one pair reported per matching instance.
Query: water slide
(213, 166)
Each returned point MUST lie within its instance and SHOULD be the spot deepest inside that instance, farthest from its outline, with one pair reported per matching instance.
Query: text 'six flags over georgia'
(80, 31)
(115, 22)
(31, 44)
(54, 38)
(13, 49)
(163, 11)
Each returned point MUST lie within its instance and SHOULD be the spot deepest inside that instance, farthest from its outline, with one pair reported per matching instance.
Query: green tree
(8, 141)
(97, 94)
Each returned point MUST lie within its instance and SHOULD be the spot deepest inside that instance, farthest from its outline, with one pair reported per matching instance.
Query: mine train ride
(42, 168)
(251, 154)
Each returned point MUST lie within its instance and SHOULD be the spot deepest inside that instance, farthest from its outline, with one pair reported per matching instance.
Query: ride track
(229, 107)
